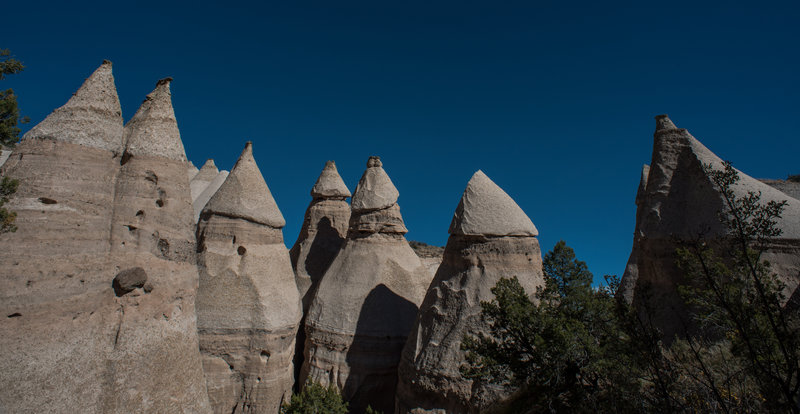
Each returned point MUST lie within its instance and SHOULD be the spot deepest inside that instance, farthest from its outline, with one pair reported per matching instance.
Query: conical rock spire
(664, 123)
(375, 190)
(485, 209)
(329, 183)
(153, 130)
(92, 117)
(245, 194)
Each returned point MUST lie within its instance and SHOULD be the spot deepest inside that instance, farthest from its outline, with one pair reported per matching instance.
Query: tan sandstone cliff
(94, 325)
(248, 307)
(490, 238)
(680, 203)
(367, 300)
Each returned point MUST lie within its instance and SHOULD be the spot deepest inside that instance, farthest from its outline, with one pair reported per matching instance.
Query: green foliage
(9, 111)
(576, 348)
(371, 410)
(564, 351)
(7, 188)
(739, 301)
(316, 399)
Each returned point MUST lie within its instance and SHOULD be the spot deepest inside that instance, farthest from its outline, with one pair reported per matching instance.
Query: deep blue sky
(554, 100)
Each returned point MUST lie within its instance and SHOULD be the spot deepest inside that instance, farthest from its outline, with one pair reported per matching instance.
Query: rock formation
(248, 308)
(788, 187)
(430, 256)
(205, 183)
(490, 238)
(631, 274)
(191, 171)
(152, 230)
(87, 330)
(680, 203)
(366, 302)
(323, 232)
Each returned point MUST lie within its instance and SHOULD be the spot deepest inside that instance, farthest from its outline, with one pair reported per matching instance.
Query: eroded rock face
(248, 307)
(366, 302)
(429, 378)
(152, 229)
(681, 202)
(204, 184)
(323, 232)
(78, 346)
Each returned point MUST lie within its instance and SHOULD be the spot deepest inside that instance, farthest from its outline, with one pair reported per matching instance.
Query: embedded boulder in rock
(366, 302)
(680, 202)
(429, 377)
(156, 358)
(77, 346)
(248, 307)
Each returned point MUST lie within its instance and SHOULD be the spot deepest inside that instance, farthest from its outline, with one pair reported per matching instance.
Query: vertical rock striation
(490, 238)
(248, 308)
(83, 333)
(631, 274)
(155, 358)
(681, 203)
(366, 302)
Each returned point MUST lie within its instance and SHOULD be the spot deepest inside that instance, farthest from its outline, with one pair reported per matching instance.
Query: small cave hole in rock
(163, 247)
(162, 198)
(140, 213)
(131, 228)
(45, 200)
(15, 315)
(151, 176)
(126, 156)
(128, 280)
(241, 250)
(264, 356)
(258, 379)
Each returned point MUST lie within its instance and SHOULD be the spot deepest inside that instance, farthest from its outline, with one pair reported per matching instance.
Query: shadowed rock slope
(98, 326)
(323, 232)
(366, 302)
(483, 247)
(680, 202)
(248, 307)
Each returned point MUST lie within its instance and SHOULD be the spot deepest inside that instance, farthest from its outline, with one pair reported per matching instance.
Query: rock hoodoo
(248, 307)
(77, 346)
(152, 229)
(366, 303)
(490, 238)
(323, 232)
(205, 183)
(679, 201)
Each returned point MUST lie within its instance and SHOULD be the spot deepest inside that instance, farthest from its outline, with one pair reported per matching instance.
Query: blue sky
(554, 100)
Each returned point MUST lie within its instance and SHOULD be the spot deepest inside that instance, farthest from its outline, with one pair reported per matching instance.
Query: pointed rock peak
(153, 130)
(245, 194)
(375, 190)
(329, 183)
(663, 123)
(485, 209)
(207, 172)
(92, 117)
